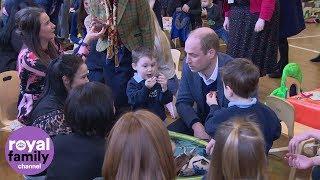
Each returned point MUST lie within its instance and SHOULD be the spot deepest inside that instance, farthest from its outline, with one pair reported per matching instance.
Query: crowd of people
(104, 105)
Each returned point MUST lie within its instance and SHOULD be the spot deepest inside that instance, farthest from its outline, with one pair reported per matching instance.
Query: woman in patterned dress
(39, 49)
(253, 27)
(64, 74)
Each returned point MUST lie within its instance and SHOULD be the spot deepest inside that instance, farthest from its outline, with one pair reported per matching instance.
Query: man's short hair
(242, 76)
(208, 40)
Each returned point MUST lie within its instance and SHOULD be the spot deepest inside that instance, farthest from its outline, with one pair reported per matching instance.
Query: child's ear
(134, 66)
(229, 90)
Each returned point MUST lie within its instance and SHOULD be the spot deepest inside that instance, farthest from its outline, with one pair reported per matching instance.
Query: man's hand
(199, 131)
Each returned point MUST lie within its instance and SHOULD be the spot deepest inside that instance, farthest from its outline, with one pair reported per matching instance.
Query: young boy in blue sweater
(241, 78)
(147, 89)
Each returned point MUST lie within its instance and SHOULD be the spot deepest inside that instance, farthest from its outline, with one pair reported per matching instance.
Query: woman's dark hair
(28, 22)
(89, 109)
(82, 14)
(12, 7)
(65, 65)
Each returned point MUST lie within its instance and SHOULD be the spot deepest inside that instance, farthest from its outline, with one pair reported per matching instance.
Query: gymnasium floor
(303, 47)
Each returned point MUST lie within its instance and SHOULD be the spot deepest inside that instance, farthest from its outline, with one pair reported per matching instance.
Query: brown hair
(28, 21)
(139, 149)
(239, 151)
(242, 76)
(209, 40)
(141, 52)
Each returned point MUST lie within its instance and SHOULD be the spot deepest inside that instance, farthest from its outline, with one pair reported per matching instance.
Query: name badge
(230, 1)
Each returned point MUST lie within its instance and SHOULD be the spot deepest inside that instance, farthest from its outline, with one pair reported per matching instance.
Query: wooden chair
(285, 112)
(176, 59)
(9, 94)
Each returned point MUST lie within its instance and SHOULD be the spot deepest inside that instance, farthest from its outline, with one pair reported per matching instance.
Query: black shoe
(276, 74)
(316, 59)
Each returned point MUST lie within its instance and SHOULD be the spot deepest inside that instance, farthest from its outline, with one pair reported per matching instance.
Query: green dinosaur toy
(290, 70)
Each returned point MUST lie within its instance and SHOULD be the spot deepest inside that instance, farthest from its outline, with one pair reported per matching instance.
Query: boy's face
(205, 3)
(145, 67)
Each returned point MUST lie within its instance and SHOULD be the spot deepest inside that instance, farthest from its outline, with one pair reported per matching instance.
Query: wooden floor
(303, 47)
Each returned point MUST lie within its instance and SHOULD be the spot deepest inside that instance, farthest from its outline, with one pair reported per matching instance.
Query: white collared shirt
(213, 76)
(137, 77)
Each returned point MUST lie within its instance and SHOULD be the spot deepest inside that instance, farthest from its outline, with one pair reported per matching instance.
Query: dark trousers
(180, 127)
(117, 78)
(284, 53)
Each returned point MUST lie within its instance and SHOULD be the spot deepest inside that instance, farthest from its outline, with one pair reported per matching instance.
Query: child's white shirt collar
(242, 104)
(137, 77)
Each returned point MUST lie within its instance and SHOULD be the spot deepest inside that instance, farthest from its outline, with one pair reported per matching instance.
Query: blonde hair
(161, 43)
(139, 149)
(239, 151)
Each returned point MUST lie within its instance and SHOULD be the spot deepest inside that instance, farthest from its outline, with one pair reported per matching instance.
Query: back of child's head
(139, 149)
(242, 76)
(141, 52)
(239, 151)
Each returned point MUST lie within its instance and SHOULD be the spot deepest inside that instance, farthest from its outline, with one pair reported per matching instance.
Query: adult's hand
(210, 146)
(226, 23)
(299, 161)
(199, 131)
(296, 140)
(259, 25)
(93, 34)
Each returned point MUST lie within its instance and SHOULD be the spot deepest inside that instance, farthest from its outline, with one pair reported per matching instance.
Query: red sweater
(265, 8)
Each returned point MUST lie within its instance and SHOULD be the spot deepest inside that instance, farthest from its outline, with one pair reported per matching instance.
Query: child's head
(240, 78)
(139, 148)
(206, 3)
(144, 63)
(239, 151)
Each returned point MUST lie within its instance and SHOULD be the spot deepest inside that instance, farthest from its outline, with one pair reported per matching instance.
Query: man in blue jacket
(200, 75)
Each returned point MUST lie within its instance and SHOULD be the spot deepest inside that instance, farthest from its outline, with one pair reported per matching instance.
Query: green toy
(290, 70)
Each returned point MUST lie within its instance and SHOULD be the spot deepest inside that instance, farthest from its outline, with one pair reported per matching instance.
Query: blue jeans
(223, 34)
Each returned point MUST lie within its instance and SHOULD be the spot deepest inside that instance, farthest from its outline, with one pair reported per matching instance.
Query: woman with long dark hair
(63, 74)
(39, 49)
